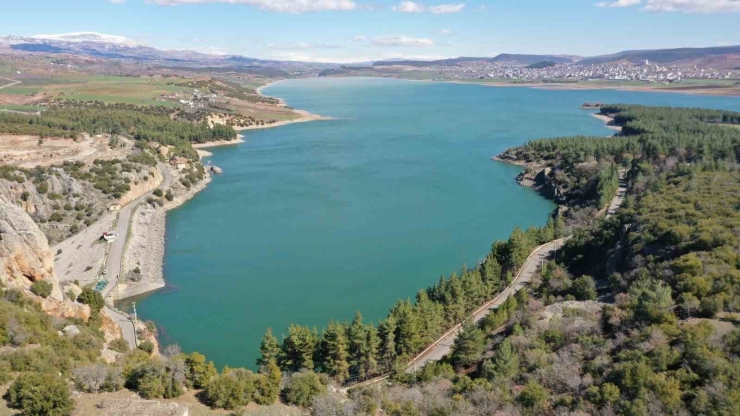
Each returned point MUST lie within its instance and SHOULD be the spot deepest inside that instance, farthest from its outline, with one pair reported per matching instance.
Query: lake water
(313, 221)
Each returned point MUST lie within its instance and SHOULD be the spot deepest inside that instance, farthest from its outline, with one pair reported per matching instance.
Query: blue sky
(362, 30)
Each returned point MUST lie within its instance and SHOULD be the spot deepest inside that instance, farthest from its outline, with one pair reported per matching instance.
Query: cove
(314, 221)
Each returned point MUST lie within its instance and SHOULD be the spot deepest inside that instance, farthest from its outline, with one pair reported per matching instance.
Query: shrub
(147, 346)
(119, 345)
(303, 388)
(200, 371)
(42, 188)
(225, 391)
(157, 192)
(92, 298)
(41, 288)
(40, 394)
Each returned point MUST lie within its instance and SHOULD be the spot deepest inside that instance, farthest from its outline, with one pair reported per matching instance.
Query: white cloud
(117, 1)
(443, 32)
(401, 40)
(409, 7)
(447, 8)
(619, 3)
(200, 40)
(693, 6)
(685, 6)
(359, 38)
(281, 6)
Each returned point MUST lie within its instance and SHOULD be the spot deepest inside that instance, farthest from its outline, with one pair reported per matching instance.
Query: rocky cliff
(24, 251)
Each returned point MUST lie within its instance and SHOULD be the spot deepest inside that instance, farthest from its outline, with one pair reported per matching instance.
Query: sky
(346, 31)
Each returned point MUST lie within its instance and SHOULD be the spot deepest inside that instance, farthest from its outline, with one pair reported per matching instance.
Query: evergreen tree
(333, 352)
(475, 292)
(433, 317)
(518, 248)
(408, 328)
(387, 351)
(469, 345)
(455, 302)
(299, 348)
(491, 276)
(369, 364)
(269, 348)
(505, 364)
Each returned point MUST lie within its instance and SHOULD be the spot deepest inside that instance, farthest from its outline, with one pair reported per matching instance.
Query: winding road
(443, 345)
(115, 259)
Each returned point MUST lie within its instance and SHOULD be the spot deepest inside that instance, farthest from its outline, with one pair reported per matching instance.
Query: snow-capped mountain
(78, 37)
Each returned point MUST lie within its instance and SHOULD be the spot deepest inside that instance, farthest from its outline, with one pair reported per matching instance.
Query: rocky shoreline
(145, 249)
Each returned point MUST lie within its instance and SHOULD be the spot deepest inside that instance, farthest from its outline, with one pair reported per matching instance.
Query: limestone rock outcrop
(25, 256)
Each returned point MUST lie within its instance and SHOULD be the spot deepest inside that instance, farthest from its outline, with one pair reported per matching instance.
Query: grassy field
(110, 89)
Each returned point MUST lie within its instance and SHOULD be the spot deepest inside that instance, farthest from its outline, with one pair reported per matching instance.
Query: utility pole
(133, 305)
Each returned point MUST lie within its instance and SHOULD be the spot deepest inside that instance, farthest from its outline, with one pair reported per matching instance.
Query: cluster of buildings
(196, 100)
(624, 71)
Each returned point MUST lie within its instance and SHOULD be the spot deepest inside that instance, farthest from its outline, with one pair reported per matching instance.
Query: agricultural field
(109, 89)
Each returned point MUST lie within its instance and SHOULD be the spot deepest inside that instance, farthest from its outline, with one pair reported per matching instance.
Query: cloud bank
(281, 6)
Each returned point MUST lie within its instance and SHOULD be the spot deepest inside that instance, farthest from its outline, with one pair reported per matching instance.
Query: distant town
(619, 71)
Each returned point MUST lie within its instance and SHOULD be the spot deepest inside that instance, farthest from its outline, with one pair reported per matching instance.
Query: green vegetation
(139, 124)
(40, 395)
(41, 288)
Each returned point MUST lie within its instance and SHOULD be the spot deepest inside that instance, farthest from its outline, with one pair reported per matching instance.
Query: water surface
(313, 221)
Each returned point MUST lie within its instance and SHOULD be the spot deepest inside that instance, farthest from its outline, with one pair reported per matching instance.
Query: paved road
(443, 345)
(115, 259)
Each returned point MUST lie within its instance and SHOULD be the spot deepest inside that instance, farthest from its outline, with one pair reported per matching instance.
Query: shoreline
(708, 91)
(154, 248)
(609, 121)
(239, 139)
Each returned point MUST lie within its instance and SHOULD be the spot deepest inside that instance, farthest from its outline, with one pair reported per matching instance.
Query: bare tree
(17, 334)
(172, 351)
(91, 377)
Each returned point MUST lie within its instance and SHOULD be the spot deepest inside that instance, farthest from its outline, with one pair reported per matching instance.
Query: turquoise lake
(314, 221)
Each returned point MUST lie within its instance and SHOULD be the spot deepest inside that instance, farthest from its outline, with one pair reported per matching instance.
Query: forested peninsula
(636, 314)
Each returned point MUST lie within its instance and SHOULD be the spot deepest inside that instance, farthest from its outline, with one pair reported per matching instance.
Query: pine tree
(333, 352)
(455, 300)
(505, 362)
(299, 348)
(433, 313)
(491, 276)
(518, 249)
(475, 292)
(269, 348)
(387, 351)
(408, 328)
(469, 345)
(370, 355)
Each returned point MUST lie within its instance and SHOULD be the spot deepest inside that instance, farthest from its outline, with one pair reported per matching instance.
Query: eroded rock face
(65, 309)
(25, 255)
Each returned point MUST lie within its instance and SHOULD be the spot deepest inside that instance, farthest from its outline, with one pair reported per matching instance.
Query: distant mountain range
(504, 57)
(119, 47)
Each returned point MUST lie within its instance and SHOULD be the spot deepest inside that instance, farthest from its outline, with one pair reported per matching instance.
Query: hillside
(502, 58)
(662, 56)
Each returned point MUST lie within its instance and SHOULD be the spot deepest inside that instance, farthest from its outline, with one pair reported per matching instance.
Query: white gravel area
(145, 247)
(83, 254)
